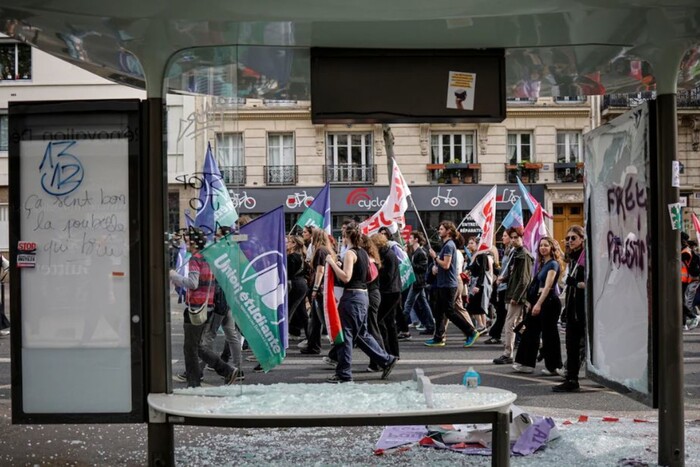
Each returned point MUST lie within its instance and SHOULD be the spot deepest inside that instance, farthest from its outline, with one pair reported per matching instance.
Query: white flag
(484, 214)
(392, 213)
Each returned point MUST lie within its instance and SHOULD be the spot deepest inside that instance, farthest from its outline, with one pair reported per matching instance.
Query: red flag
(330, 308)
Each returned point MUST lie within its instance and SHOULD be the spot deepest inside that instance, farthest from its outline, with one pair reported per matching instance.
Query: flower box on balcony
(579, 165)
(474, 166)
(532, 165)
(512, 167)
(435, 166)
(458, 165)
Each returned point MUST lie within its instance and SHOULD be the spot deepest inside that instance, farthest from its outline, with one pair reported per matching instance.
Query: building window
(281, 169)
(569, 148)
(349, 158)
(452, 147)
(15, 61)
(4, 131)
(520, 147)
(230, 157)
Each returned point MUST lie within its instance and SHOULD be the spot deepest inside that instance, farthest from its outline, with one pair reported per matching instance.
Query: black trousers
(543, 325)
(444, 310)
(193, 351)
(575, 341)
(315, 326)
(297, 306)
(386, 317)
(501, 313)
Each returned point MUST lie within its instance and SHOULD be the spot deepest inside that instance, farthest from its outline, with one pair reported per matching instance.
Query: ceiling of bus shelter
(553, 48)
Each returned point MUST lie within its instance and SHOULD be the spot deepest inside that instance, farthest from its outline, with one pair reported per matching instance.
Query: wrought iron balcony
(454, 173)
(570, 99)
(529, 172)
(627, 100)
(280, 174)
(521, 100)
(568, 172)
(351, 173)
(688, 98)
(684, 99)
(233, 175)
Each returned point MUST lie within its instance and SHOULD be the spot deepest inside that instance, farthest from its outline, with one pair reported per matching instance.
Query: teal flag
(318, 214)
(253, 277)
(408, 277)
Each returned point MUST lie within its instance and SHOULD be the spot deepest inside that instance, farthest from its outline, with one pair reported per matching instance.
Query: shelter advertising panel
(73, 206)
(618, 200)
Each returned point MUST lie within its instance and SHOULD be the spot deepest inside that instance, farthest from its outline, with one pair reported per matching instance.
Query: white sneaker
(329, 361)
(691, 325)
(5, 332)
(546, 372)
(561, 372)
(303, 344)
(686, 328)
(522, 368)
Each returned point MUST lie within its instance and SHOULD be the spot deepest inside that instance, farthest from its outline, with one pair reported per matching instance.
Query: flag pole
(420, 221)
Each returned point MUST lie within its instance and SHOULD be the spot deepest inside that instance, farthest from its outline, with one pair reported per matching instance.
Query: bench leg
(500, 442)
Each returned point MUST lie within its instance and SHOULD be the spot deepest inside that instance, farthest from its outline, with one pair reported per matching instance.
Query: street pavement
(126, 444)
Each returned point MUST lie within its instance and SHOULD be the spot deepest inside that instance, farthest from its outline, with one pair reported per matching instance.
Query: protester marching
(371, 289)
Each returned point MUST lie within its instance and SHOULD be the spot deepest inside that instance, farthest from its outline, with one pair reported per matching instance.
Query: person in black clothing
(502, 283)
(575, 309)
(322, 248)
(416, 300)
(297, 285)
(390, 290)
(480, 283)
(543, 316)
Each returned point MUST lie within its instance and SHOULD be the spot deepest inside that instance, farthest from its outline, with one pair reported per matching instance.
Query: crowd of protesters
(512, 296)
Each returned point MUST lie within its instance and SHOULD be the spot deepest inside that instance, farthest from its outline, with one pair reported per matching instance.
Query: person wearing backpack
(690, 277)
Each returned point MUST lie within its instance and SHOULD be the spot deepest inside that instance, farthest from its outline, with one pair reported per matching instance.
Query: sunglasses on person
(571, 238)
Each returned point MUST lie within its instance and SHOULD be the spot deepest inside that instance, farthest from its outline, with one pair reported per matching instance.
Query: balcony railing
(688, 98)
(568, 172)
(684, 99)
(233, 175)
(280, 174)
(351, 173)
(521, 100)
(454, 173)
(529, 172)
(627, 100)
(570, 99)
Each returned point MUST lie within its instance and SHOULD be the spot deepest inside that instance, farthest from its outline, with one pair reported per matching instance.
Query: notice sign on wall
(460, 90)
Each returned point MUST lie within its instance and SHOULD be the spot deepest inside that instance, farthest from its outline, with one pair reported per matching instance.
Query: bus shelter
(349, 59)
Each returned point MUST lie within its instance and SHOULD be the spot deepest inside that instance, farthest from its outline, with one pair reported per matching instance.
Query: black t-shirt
(295, 266)
(319, 258)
